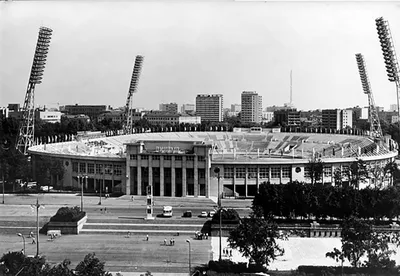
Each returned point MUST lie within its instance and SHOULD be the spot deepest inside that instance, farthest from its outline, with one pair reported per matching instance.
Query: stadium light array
(39, 60)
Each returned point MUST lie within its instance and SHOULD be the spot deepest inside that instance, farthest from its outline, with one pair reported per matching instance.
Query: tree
(316, 168)
(256, 238)
(18, 262)
(357, 173)
(59, 270)
(91, 266)
(47, 168)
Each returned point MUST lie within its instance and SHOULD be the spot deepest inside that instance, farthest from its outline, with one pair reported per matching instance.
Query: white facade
(49, 116)
(251, 107)
(210, 107)
(267, 116)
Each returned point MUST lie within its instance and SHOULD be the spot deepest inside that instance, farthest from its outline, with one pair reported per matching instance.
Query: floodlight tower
(375, 125)
(137, 68)
(27, 126)
(390, 57)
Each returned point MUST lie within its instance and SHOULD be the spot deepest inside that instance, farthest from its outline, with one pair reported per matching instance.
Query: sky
(192, 48)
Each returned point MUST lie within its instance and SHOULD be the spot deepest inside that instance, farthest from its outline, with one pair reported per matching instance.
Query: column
(234, 180)
(280, 174)
(161, 175)
(246, 176)
(196, 176)
(139, 176)
(151, 172)
(173, 177)
(112, 177)
(184, 192)
(127, 179)
(207, 175)
(258, 178)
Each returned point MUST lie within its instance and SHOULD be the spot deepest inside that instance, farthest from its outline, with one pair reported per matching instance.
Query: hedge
(68, 214)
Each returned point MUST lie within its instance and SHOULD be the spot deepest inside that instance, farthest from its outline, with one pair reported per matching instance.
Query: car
(211, 214)
(203, 214)
(187, 214)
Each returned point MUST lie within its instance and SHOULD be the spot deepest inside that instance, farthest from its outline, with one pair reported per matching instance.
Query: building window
(144, 157)
(286, 172)
(275, 172)
(228, 172)
(75, 166)
(307, 172)
(202, 173)
(264, 172)
(200, 158)
(167, 157)
(240, 172)
(251, 173)
(327, 171)
(108, 169)
(189, 173)
(189, 158)
(117, 169)
(133, 157)
(178, 158)
(156, 157)
(90, 168)
(82, 167)
(99, 168)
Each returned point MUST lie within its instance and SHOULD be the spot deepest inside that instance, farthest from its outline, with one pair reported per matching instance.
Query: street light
(217, 171)
(82, 176)
(37, 206)
(190, 262)
(19, 234)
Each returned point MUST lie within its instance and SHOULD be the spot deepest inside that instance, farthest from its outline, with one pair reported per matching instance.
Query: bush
(68, 214)
(347, 270)
(227, 266)
(228, 216)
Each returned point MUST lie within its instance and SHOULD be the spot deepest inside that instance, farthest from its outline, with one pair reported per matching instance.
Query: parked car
(203, 214)
(187, 214)
(211, 214)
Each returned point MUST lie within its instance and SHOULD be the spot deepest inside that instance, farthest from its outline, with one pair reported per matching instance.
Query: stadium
(182, 164)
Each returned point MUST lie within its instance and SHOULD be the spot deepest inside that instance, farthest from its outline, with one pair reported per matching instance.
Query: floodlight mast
(27, 126)
(375, 125)
(389, 56)
(137, 68)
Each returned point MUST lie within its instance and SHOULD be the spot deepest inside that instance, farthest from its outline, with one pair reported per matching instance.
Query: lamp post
(217, 171)
(37, 206)
(190, 259)
(81, 182)
(19, 234)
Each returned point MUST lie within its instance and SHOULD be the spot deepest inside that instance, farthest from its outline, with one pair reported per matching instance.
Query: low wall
(68, 227)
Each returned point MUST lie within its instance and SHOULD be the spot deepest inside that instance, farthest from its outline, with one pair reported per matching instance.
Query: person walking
(165, 241)
(147, 237)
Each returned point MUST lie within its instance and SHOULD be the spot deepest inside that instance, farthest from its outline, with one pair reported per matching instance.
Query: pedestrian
(105, 210)
(147, 237)
(33, 240)
(170, 241)
(165, 241)
(132, 198)
(173, 241)
(206, 236)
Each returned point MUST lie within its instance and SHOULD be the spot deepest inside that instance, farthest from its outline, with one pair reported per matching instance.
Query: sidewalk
(152, 273)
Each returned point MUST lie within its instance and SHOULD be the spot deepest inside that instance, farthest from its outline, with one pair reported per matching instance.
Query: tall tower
(375, 125)
(137, 69)
(251, 107)
(27, 126)
(291, 92)
(390, 57)
(210, 107)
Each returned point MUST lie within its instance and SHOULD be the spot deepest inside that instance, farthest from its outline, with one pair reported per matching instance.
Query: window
(75, 166)
(264, 172)
(240, 172)
(156, 157)
(190, 173)
(108, 169)
(275, 172)
(178, 158)
(167, 157)
(99, 168)
(144, 157)
(202, 173)
(327, 171)
(189, 158)
(286, 172)
(82, 167)
(200, 158)
(251, 172)
(228, 172)
(90, 168)
(133, 157)
(117, 169)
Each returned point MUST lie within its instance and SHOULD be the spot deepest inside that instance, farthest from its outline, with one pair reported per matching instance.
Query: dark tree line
(299, 200)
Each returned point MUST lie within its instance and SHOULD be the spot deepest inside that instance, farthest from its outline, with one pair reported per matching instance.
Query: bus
(167, 211)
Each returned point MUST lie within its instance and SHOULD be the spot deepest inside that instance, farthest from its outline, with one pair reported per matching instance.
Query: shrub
(68, 214)
(228, 216)
(227, 266)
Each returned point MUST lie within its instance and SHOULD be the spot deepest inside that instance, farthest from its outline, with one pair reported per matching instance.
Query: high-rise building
(188, 108)
(209, 107)
(287, 117)
(169, 107)
(251, 107)
(337, 118)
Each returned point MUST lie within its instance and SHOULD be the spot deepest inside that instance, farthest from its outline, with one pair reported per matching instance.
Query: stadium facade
(181, 164)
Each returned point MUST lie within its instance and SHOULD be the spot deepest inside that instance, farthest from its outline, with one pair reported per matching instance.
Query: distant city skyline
(197, 48)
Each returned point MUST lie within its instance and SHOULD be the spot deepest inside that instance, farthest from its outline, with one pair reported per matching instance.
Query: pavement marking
(143, 224)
